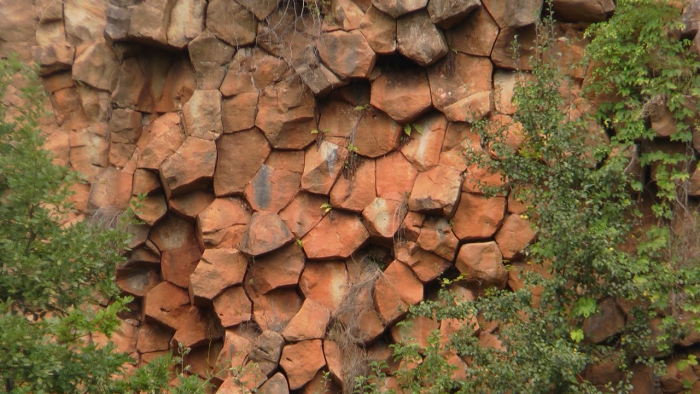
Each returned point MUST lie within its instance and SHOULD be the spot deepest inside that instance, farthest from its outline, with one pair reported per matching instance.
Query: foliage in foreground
(588, 247)
(51, 273)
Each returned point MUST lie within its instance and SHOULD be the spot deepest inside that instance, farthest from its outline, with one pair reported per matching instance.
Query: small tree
(52, 274)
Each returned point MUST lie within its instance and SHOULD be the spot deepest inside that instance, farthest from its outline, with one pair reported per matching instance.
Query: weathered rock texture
(284, 162)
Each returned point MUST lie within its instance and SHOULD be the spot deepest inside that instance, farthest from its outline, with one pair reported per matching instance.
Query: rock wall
(302, 165)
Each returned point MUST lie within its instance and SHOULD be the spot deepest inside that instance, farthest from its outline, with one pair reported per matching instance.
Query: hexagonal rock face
(277, 384)
(325, 282)
(178, 264)
(161, 141)
(322, 165)
(303, 213)
(458, 77)
(266, 232)
(513, 236)
(376, 134)
(348, 55)
(222, 223)
(514, 14)
(266, 351)
(276, 182)
(419, 40)
(173, 233)
(380, 31)
(447, 13)
(478, 217)
(476, 35)
(338, 235)
(396, 8)
(261, 8)
(277, 269)
(436, 191)
(396, 290)
(417, 332)
(202, 114)
(423, 148)
(301, 361)
(137, 282)
(152, 209)
(167, 23)
(217, 270)
(482, 262)
(403, 95)
(274, 309)
(395, 177)
(356, 192)
(309, 323)
(608, 321)
(97, 65)
(153, 338)
(240, 155)
(383, 217)
(195, 328)
(583, 10)
(287, 114)
(231, 22)
(427, 266)
(208, 56)
(436, 236)
(166, 304)
(191, 167)
(233, 307)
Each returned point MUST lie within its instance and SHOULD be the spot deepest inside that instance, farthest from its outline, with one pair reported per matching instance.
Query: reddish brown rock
(436, 191)
(231, 22)
(346, 14)
(436, 236)
(202, 115)
(338, 235)
(606, 322)
(237, 345)
(233, 306)
(419, 39)
(166, 304)
(469, 109)
(397, 8)
(277, 269)
(132, 84)
(376, 134)
(238, 112)
(265, 351)
(217, 270)
(325, 282)
(322, 166)
(583, 10)
(347, 54)
(508, 14)
(96, 65)
(380, 31)
(137, 282)
(266, 232)
(109, 192)
(478, 217)
(504, 83)
(287, 114)
(502, 54)
(309, 323)
(274, 309)
(190, 168)
(277, 384)
(54, 57)
(191, 204)
(458, 77)
(261, 8)
(427, 266)
(84, 20)
(240, 156)
(277, 181)
(178, 87)
(153, 338)
(459, 143)
(160, 141)
(196, 328)
(303, 213)
(482, 262)
(356, 192)
(209, 57)
(178, 264)
(403, 95)
(447, 13)
(476, 35)
(383, 217)
(253, 69)
(425, 141)
(89, 150)
(186, 22)
(396, 290)
(301, 361)
(507, 132)
(515, 234)
(395, 177)
(338, 121)
(222, 223)
(416, 332)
